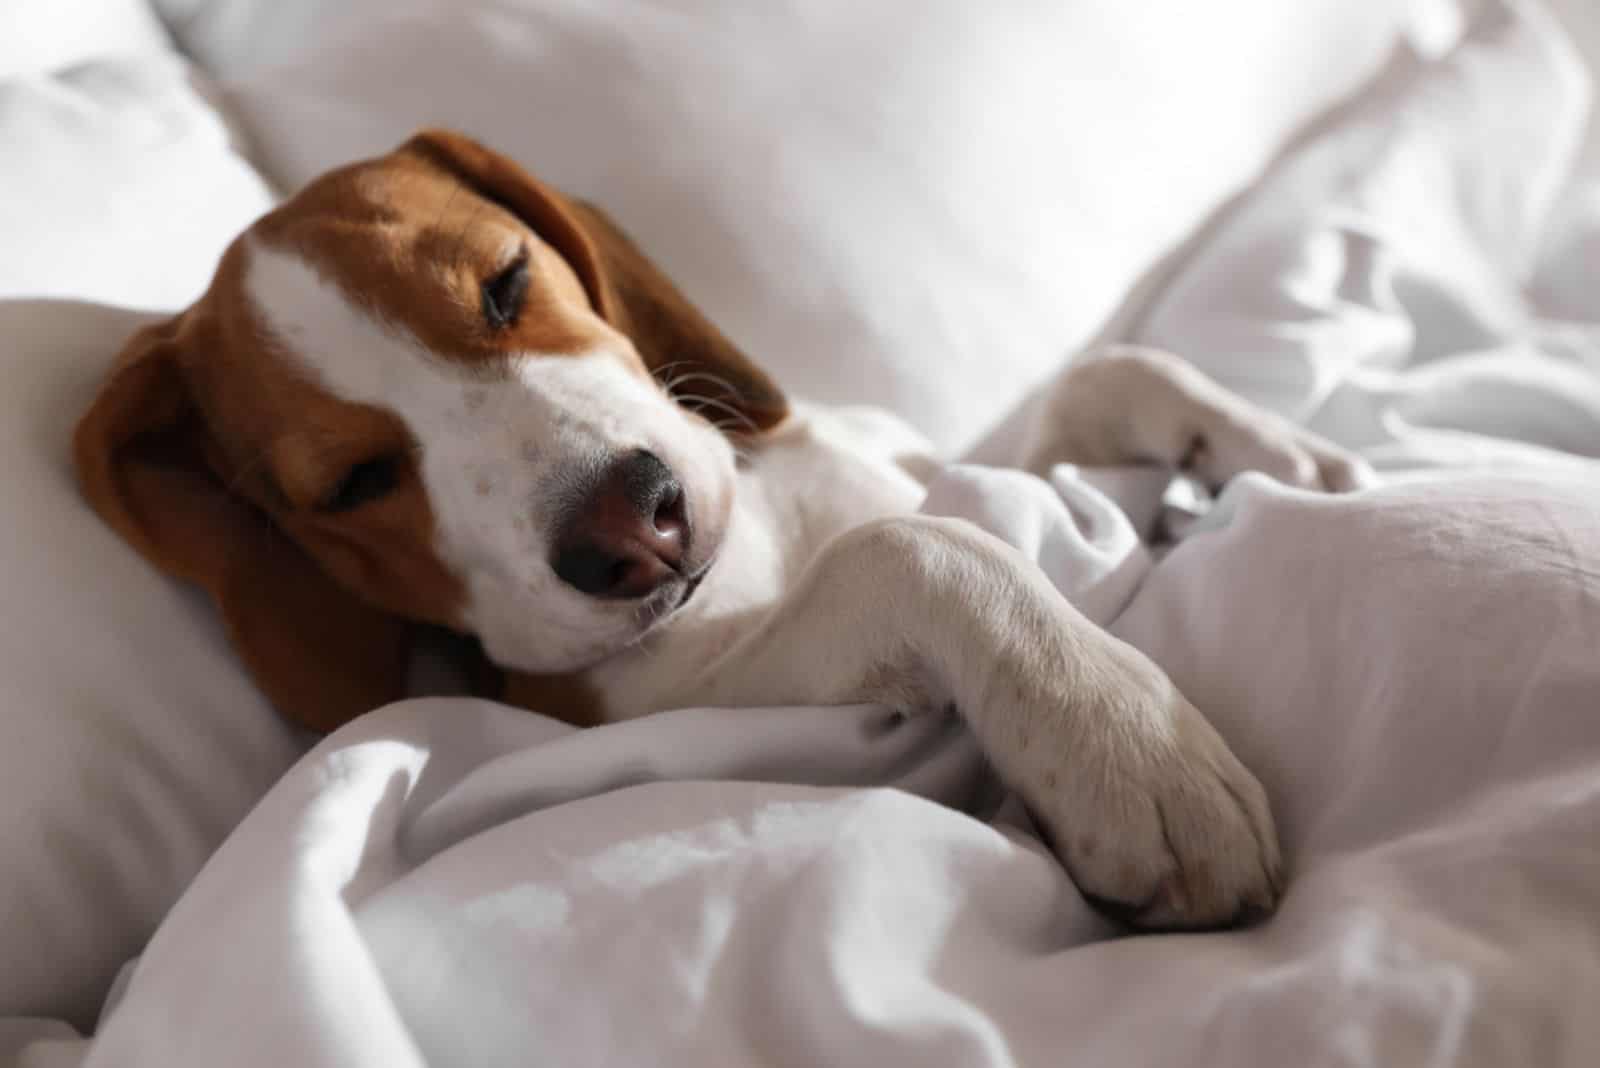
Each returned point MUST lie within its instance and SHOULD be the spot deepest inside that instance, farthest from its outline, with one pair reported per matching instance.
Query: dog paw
(1161, 826)
(1135, 404)
(1235, 438)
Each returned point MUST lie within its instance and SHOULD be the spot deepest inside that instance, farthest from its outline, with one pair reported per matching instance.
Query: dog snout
(629, 535)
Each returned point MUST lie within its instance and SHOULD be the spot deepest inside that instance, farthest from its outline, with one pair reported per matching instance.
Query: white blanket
(455, 882)
(1414, 673)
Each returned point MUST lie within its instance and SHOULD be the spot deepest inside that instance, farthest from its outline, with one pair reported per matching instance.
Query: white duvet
(1414, 673)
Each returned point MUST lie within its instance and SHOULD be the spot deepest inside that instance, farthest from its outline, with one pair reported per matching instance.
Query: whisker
(690, 376)
(705, 376)
(720, 405)
(745, 422)
(657, 372)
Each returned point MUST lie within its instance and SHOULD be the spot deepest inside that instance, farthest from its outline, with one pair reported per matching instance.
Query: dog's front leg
(1128, 405)
(1145, 804)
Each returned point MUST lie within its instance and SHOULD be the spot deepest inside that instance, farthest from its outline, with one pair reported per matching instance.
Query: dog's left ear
(675, 340)
(142, 450)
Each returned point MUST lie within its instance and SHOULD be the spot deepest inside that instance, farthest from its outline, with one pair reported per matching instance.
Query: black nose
(629, 535)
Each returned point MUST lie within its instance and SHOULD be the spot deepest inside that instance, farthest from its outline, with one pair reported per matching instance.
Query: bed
(1380, 219)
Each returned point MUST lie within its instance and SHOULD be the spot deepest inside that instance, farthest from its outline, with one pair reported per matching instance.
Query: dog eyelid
(362, 484)
(505, 293)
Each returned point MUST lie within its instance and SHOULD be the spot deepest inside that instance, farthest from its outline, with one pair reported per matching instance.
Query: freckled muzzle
(629, 535)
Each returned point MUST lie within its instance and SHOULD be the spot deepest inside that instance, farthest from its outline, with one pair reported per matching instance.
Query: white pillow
(45, 35)
(130, 741)
(924, 205)
(118, 183)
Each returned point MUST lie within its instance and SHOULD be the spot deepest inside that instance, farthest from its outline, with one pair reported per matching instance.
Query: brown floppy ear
(677, 342)
(321, 656)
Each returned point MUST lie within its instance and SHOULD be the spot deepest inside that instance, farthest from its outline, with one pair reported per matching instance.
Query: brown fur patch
(408, 243)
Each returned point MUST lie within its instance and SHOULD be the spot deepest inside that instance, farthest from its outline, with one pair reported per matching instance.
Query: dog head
(427, 389)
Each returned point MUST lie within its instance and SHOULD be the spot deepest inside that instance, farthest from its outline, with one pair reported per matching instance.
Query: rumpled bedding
(1413, 672)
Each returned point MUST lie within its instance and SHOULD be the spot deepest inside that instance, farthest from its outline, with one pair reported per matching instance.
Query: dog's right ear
(146, 462)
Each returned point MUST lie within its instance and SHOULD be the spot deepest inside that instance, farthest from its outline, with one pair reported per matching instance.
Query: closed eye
(506, 292)
(364, 483)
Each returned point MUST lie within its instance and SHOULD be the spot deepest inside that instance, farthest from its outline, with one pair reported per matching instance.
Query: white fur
(828, 589)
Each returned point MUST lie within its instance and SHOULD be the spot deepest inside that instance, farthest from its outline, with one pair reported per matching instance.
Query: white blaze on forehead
(363, 359)
(366, 360)
(343, 348)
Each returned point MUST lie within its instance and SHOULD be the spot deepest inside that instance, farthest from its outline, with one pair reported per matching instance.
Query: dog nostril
(669, 517)
(590, 569)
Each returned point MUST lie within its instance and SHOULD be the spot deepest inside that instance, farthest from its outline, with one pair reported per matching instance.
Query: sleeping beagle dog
(431, 391)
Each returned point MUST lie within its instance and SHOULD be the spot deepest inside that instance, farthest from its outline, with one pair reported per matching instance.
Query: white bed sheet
(456, 882)
(1419, 282)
